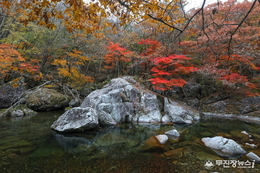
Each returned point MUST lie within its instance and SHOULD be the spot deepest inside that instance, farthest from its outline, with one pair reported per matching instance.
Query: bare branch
(203, 19)
(162, 21)
(124, 4)
(242, 21)
(189, 21)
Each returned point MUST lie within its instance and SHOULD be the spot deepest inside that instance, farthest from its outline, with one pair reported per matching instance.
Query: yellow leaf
(15, 85)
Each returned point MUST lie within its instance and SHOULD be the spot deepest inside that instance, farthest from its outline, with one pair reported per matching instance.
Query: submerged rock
(224, 147)
(153, 143)
(76, 119)
(109, 139)
(174, 154)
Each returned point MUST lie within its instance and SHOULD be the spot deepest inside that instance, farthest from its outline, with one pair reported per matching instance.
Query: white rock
(187, 121)
(253, 157)
(162, 138)
(224, 147)
(244, 132)
(173, 132)
(251, 145)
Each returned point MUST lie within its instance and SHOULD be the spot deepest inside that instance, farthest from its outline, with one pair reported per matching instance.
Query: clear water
(28, 145)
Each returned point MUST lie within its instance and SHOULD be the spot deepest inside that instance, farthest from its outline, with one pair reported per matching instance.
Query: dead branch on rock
(21, 98)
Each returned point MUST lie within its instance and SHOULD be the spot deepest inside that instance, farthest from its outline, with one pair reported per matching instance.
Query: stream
(28, 145)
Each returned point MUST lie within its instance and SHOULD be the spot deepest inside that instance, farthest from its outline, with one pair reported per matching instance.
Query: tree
(222, 50)
(167, 72)
(116, 58)
(69, 69)
(146, 50)
(12, 64)
(86, 15)
(9, 60)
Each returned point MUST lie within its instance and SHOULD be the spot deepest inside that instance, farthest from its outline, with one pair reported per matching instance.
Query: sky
(198, 3)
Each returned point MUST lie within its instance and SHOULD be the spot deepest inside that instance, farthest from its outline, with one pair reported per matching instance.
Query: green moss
(68, 108)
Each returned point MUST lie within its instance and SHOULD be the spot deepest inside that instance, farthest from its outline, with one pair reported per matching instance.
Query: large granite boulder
(11, 92)
(224, 147)
(45, 99)
(76, 119)
(123, 100)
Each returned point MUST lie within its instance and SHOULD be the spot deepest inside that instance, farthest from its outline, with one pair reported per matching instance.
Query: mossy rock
(45, 99)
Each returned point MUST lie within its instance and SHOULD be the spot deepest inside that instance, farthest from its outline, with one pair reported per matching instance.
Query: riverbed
(28, 145)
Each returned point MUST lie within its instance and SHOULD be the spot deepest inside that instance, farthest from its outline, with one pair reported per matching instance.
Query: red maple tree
(116, 58)
(167, 71)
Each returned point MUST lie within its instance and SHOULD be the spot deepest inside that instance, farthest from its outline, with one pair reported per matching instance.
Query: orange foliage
(12, 64)
(69, 69)
(9, 59)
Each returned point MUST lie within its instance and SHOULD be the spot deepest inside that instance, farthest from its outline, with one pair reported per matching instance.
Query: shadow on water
(28, 145)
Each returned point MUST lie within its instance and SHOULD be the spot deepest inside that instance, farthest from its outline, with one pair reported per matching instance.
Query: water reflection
(109, 138)
(28, 145)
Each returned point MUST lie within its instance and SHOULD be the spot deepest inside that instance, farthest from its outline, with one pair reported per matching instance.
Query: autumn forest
(123, 86)
(81, 44)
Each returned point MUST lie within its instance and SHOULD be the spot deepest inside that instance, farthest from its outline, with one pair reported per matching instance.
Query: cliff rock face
(249, 106)
(122, 100)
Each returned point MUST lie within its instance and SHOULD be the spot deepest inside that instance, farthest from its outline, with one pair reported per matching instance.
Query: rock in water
(162, 138)
(153, 143)
(76, 119)
(224, 147)
(122, 100)
(173, 132)
(179, 112)
(253, 157)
